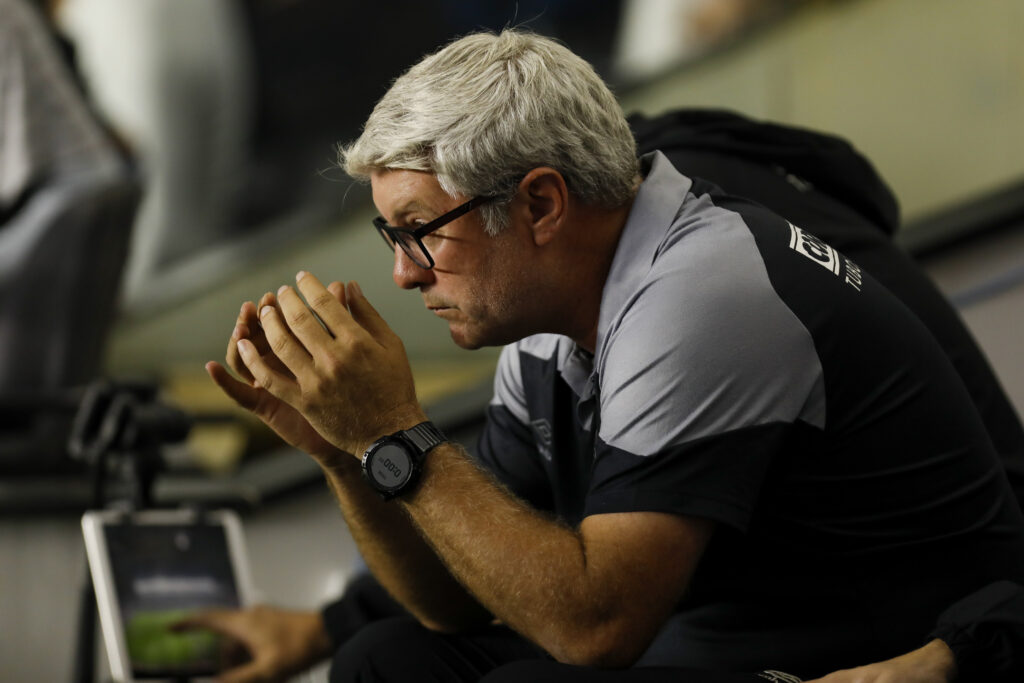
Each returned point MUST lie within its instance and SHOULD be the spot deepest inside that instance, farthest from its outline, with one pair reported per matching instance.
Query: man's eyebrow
(407, 208)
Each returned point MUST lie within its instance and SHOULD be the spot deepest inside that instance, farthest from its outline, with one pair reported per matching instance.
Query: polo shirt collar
(655, 208)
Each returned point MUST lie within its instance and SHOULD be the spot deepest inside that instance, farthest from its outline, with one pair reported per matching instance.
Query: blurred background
(224, 116)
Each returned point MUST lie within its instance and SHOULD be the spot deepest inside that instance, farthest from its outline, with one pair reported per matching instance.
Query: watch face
(390, 466)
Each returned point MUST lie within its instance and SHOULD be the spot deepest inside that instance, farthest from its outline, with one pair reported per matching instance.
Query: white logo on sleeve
(542, 432)
(779, 677)
(813, 248)
(824, 255)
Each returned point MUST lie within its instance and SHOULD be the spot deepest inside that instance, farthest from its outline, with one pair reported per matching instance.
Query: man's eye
(432, 239)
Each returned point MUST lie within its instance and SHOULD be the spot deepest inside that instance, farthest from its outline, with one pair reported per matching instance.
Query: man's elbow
(611, 645)
(469, 618)
(452, 626)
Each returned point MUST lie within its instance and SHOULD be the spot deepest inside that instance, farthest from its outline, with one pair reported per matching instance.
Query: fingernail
(266, 310)
(356, 289)
(237, 332)
(243, 347)
(299, 275)
(280, 290)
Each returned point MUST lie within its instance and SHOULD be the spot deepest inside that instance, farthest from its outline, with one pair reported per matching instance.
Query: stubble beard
(495, 313)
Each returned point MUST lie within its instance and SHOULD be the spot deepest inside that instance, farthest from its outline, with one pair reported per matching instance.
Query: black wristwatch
(393, 463)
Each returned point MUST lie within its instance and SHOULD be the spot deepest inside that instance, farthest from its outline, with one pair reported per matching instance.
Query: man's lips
(438, 308)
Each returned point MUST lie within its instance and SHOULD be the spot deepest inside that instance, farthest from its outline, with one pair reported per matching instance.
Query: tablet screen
(153, 572)
(159, 574)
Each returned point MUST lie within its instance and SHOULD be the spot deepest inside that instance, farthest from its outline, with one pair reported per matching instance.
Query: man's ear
(544, 199)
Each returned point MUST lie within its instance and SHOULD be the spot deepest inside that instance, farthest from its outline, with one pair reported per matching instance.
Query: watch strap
(424, 436)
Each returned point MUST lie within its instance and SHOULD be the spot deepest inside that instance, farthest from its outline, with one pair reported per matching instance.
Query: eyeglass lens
(413, 249)
(409, 245)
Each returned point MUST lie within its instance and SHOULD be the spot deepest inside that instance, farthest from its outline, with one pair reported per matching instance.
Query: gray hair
(486, 109)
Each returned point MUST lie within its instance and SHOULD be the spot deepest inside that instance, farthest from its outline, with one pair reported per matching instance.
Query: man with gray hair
(715, 443)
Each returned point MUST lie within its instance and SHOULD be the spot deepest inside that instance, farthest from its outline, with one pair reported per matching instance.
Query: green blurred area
(152, 645)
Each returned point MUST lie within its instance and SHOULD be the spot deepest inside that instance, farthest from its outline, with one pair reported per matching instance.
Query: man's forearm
(398, 556)
(562, 589)
(461, 511)
(527, 570)
(932, 663)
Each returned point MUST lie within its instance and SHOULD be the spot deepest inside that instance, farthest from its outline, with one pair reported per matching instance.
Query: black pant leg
(547, 671)
(400, 650)
(365, 601)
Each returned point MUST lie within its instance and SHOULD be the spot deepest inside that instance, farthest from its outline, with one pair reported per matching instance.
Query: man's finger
(250, 328)
(338, 290)
(367, 316)
(285, 348)
(303, 320)
(277, 384)
(227, 623)
(327, 304)
(241, 393)
(242, 330)
(208, 619)
(258, 337)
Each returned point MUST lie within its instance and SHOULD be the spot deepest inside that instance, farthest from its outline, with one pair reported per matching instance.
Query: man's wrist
(343, 468)
(392, 465)
(940, 660)
(330, 457)
(393, 421)
(321, 641)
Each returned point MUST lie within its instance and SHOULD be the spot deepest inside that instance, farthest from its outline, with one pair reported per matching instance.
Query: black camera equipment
(118, 432)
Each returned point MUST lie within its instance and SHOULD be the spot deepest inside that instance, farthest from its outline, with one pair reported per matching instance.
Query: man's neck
(599, 234)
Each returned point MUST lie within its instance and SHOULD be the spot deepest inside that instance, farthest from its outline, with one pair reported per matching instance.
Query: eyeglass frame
(387, 232)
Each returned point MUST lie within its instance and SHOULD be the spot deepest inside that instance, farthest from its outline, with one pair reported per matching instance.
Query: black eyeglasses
(411, 240)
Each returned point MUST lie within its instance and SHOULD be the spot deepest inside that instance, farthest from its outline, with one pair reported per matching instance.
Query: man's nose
(407, 274)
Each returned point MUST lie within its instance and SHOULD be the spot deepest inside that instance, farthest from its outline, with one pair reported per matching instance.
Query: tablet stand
(118, 431)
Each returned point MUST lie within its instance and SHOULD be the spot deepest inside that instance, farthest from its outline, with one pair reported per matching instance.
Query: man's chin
(472, 339)
(463, 341)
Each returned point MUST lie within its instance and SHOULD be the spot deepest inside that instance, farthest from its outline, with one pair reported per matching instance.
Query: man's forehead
(402, 190)
(400, 182)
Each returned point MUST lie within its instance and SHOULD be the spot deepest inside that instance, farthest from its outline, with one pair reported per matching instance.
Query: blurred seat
(68, 195)
(61, 262)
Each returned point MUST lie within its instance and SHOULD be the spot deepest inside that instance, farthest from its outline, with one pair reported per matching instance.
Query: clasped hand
(327, 374)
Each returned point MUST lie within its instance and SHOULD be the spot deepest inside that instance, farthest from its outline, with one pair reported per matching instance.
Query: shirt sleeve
(507, 446)
(701, 386)
(985, 631)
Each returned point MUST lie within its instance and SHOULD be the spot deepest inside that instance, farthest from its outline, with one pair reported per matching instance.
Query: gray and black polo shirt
(748, 373)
